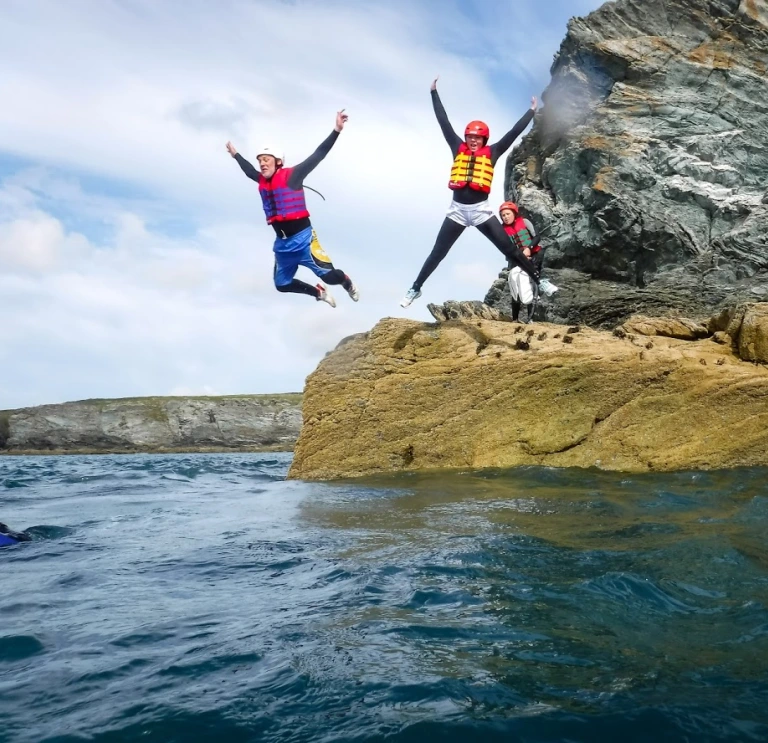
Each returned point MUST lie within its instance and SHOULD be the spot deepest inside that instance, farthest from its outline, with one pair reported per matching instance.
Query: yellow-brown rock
(670, 327)
(753, 334)
(409, 395)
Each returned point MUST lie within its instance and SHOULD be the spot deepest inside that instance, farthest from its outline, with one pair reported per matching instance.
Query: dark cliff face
(648, 165)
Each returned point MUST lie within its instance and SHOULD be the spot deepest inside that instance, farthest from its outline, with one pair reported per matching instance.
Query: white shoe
(547, 287)
(353, 291)
(325, 296)
(410, 295)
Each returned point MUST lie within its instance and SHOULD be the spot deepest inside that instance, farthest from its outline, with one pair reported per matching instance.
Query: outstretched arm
(304, 168)
(453, 139)
(245, 166)
(498, 149)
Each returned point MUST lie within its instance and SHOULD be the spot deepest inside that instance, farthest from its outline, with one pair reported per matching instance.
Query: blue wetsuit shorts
(301, 249)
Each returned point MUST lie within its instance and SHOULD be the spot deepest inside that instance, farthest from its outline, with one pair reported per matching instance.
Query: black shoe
(529, 318)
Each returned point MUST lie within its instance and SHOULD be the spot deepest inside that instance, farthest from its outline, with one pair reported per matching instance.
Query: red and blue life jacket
(280, 202)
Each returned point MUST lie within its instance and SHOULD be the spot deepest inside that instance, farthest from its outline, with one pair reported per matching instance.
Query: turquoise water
(204, 598)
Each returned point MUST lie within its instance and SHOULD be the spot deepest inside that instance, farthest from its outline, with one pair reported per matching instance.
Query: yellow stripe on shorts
(317, 250)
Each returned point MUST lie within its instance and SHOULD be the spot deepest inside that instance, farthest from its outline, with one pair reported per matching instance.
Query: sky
(134, 255)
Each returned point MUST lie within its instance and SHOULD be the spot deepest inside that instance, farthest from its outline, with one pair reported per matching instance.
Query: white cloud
(31, 244)
(133, 254)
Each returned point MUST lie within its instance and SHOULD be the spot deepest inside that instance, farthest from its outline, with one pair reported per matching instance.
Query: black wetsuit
(294, 226)
(492, 228)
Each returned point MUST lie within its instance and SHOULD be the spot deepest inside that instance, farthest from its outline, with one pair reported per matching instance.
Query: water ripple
(200, 598)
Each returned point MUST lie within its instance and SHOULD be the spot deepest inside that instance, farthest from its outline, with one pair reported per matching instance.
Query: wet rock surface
(648, 164)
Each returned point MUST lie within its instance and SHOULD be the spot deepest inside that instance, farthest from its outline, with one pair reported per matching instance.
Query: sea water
(206, 598)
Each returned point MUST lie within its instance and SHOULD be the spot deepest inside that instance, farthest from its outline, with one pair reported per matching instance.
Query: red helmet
(509, 205)
(480, 128)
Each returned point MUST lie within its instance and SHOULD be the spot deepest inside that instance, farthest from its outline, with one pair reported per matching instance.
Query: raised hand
(231, 149)
(434, 83)
(341, 119)
(534, 103)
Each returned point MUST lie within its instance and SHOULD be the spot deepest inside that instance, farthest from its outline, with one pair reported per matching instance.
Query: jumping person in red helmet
(470, 181)
(296, 243)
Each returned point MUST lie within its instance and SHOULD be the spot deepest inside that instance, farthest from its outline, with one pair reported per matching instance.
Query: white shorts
(520, 286)
(470, 215)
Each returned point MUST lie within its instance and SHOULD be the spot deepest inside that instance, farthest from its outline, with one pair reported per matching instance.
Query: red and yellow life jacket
(521, 235)
(280, 202)
(473, 169)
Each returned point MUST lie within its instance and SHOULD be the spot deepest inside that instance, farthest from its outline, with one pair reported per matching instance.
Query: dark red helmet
(480, 128)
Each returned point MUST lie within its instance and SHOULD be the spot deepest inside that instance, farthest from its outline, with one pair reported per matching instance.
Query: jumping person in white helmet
(296, 243)
(470, 181)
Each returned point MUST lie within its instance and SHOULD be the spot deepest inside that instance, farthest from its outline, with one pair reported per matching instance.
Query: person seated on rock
(470, 180)
(522, 233)
(9, 537)
(296, 242)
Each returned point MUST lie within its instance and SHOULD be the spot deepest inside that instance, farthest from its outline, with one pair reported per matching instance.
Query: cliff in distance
(154, 424)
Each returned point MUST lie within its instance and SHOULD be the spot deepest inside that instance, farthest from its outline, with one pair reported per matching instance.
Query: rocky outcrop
(247, 422)
(752, 338)
(453, 310)
(489, 393)
(669, 327)
(648, 164)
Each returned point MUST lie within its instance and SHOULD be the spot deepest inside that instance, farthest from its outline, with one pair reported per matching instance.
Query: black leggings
(299, 287)
(337, 276)
(449, 233)
(334, 276)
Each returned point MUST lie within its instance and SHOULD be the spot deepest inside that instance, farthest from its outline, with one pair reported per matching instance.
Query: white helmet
(276, 152)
